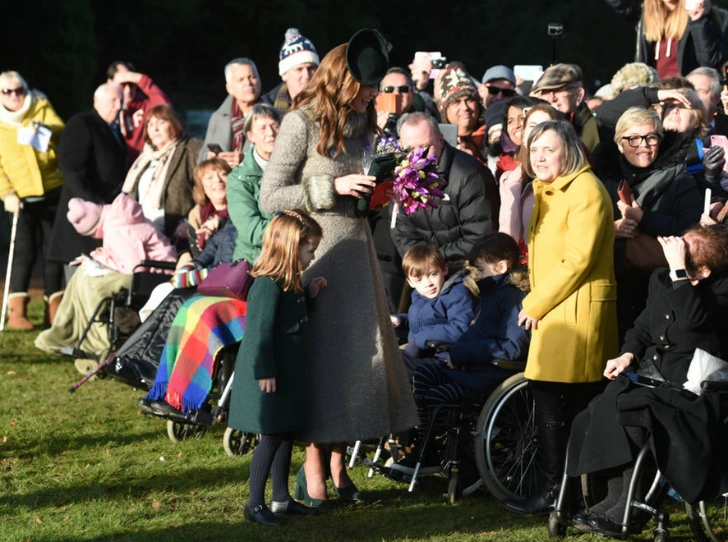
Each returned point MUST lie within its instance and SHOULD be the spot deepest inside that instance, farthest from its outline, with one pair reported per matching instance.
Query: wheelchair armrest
(438, 346)
(518, 365)
(156, 264)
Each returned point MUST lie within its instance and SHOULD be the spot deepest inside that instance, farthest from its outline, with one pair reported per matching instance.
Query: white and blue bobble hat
(296, 49)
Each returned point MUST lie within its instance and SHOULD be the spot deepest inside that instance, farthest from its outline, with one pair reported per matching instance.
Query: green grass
(90, 466)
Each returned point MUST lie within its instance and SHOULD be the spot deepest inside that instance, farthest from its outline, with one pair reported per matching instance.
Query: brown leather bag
(642, 254)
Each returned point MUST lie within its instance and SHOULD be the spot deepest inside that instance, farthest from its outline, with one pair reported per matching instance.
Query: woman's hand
(530, 323)
(316, 285)
(633, 212)
(706, 220)
(267, 385)
(420, 70)
(209, 228)
(181, 231)
(355, 184)
(675, 251)
(668, 94)
(394, 319)
(625, 228)
(618, 365)
(449, 364)
(696, 9)
(231, 157)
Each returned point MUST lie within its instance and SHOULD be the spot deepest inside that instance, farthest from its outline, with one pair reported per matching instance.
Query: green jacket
(243, 203)
(273, 345)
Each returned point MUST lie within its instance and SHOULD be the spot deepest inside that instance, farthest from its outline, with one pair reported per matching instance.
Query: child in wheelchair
(441, 310)
(467, 368)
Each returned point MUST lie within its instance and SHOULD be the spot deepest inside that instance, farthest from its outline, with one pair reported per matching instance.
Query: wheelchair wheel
(179, 431)
(506, 442)
(708, 520)
(238, 442)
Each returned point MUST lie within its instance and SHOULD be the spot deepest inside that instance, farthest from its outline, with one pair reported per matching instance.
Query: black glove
(713, 162)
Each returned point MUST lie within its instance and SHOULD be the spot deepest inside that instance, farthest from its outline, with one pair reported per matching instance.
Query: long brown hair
(494, 248)
(660, 22)
(282, 239)
(328, 97)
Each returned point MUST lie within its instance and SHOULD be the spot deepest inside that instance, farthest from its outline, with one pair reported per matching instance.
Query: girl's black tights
(272, 456)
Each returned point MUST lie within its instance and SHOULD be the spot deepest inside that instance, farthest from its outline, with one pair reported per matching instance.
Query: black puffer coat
(464, 217)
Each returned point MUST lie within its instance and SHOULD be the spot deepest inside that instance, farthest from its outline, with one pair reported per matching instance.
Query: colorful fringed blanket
(203, 326)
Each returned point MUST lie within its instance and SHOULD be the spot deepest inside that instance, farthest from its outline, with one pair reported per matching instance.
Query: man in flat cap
(562, 86)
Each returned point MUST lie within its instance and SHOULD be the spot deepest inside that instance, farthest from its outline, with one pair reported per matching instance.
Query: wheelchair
(193, 425)
(118, 313)
(491, 436)
(708, 519)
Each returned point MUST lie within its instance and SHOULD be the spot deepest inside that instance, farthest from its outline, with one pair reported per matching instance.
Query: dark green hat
(367, 56)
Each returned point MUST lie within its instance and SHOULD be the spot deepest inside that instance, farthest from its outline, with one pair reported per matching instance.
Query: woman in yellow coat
(29, 134)
(571, 308)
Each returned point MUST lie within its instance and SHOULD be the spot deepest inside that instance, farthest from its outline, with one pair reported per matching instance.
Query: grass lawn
(90, 466)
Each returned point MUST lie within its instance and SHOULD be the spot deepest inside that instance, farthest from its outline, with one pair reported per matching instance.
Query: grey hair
(104, 87)
(413, 119)
(238, 62)
(713, 75)
(259, 111)
(573, 150)
(11, 75)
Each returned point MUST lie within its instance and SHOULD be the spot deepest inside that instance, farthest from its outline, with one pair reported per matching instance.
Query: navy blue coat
(444, 318)
(494, 335)
(220, 247)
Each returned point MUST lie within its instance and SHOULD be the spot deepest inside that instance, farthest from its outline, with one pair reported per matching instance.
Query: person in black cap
(359, 385)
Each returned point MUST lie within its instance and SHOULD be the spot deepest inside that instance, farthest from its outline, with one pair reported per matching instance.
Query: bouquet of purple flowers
(416, 182)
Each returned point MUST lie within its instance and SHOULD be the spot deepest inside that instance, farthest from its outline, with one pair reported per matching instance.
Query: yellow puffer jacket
(22, 168)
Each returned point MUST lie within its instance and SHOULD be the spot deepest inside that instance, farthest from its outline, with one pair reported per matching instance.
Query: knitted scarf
(237, 123)
(15, 118)
(283, 99)
(162, 156)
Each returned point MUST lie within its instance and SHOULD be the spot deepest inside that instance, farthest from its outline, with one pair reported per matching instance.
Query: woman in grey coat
(360, 387)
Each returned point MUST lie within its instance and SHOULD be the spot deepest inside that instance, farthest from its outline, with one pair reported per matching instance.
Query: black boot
(553, 434)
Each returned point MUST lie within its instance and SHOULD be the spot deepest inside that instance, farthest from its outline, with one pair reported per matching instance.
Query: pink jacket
(516, 205)
(128, 237)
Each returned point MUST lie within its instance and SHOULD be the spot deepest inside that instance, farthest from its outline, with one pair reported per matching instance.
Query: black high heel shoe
(301, 493)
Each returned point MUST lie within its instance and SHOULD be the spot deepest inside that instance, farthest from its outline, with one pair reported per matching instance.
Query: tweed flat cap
(559, 75)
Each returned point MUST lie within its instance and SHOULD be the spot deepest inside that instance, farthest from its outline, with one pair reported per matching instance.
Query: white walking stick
(7, 273)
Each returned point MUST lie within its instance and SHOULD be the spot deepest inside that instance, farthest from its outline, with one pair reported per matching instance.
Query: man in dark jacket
(297, 64)
(94, 160)
(466, 214)
(562, 86)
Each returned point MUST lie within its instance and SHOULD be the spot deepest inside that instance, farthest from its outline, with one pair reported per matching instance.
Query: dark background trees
(63, 47)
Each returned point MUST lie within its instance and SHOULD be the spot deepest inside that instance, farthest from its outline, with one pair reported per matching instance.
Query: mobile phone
(642, 380)
(691, 5)
(214, 148)
(434, 57)
(390, 103)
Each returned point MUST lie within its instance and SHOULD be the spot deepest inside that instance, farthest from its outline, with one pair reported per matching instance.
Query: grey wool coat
(360, 388)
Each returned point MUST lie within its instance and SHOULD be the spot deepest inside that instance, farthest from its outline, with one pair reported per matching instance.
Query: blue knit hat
(296, 49)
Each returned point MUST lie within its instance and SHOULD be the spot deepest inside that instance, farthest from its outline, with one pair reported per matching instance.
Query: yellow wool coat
(573, 289)
(22, 168)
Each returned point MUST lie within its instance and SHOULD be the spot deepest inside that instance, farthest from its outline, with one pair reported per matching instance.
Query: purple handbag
(228, 280)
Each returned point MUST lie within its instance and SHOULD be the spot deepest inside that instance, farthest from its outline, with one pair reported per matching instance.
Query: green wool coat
(272, 346)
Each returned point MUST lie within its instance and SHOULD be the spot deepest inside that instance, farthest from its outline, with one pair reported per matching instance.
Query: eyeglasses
(636, 140)
(507, 92)
(555, 91)
(20, 91)
(404, 89)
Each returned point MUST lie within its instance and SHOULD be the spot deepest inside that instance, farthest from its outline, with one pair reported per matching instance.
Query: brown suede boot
(51, 307)
(17, 305)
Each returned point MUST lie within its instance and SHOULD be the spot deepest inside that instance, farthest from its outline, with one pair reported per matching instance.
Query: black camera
(556, 30)
(439, 63)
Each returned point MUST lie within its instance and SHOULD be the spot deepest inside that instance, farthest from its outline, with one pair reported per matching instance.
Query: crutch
(6, 293)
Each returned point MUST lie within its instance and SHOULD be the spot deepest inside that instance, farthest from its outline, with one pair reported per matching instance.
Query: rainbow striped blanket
(202, 327)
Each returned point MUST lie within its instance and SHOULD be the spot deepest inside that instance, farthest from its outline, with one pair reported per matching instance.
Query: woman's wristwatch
(679, 274)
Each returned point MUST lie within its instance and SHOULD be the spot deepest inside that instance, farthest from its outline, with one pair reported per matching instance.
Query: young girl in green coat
(272, 365)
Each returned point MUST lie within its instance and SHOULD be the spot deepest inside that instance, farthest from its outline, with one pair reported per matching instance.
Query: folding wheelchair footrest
(77, 353)
(394, 475)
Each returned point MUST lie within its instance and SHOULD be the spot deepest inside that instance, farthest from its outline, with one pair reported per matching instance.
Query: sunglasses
(507, 92)
(20, 91)
(404, 89)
